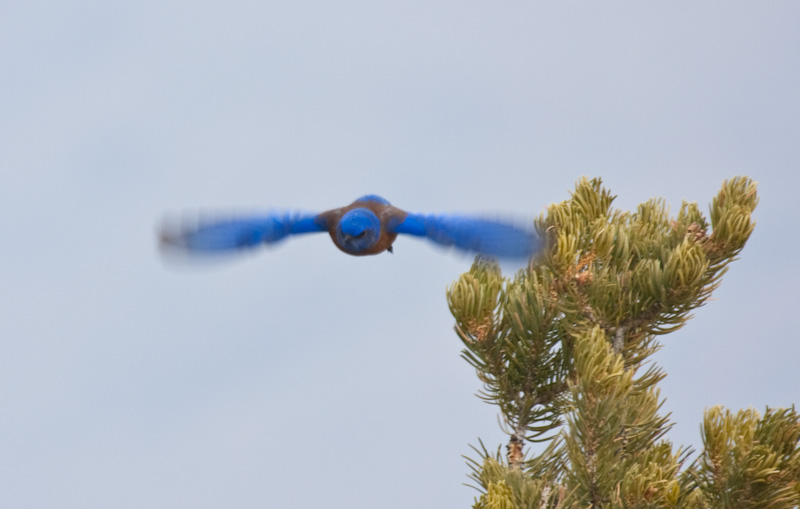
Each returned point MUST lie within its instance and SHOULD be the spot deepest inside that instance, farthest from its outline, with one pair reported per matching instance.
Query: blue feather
(374, 198)
(358, 230)
(239, 233)
(482, 236)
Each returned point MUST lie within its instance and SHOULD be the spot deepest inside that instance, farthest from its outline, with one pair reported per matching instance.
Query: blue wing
(483, 236)
(227, 235)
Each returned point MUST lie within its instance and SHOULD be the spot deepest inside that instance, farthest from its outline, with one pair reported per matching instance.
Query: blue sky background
(301, 377)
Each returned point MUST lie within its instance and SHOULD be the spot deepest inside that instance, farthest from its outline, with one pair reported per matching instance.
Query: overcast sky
(301, 377)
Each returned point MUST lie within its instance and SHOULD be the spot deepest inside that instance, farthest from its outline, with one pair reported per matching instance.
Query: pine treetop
(563, 349)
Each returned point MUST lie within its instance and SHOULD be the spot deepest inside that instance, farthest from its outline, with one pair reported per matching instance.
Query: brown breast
(384, 212)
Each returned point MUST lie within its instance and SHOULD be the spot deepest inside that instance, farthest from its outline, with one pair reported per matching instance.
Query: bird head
(358, 229)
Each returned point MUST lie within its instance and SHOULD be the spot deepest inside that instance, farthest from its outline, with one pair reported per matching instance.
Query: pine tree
(564, 350)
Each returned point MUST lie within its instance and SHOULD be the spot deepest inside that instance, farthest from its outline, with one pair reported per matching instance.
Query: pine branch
(570, 340)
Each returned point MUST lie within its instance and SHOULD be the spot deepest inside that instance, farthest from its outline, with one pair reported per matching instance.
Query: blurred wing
(483, 236)
(234, 234)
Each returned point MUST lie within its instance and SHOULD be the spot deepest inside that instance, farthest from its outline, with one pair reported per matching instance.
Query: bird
(368, 226)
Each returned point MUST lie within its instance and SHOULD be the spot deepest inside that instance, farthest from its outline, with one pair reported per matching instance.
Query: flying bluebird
(367, 226)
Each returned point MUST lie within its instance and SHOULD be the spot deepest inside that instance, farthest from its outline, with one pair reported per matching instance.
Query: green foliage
(511, 337)
(749, 460)
(613, 433)
(511, 486)
(563, 350)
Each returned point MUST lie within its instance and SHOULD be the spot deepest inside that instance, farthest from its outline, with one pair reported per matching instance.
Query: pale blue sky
(301, 377)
